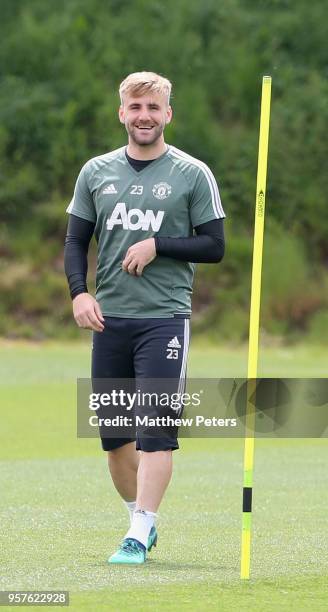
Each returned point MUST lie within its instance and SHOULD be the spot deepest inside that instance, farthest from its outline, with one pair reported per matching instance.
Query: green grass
(60, 517)
(53, 362)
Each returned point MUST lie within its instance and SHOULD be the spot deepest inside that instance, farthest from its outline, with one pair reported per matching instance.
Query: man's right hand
(87, 313)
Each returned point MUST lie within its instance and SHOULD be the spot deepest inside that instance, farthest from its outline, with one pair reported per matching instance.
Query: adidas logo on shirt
(110, 189)
(174, 343)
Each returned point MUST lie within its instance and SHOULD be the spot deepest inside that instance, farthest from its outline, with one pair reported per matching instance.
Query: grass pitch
(60, 517)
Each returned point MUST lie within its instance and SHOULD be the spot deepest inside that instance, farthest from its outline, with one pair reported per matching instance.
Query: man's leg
(123, 465)
(112, 359)
(160, 351)
(154, 475)
(155, 360)
(140, 477)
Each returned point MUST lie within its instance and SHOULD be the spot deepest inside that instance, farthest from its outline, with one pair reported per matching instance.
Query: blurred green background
(61, 64)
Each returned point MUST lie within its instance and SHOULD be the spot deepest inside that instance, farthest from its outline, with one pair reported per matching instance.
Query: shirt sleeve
(205, 203)
(206, 247)
(79, 234)
(82, 204)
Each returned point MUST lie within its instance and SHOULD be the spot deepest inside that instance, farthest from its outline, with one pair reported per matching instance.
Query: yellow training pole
(254, 325)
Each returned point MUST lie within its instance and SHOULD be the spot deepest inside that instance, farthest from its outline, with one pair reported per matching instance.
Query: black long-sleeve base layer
(206, 247)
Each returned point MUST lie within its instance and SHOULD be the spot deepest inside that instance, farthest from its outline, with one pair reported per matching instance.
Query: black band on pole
(247, 499)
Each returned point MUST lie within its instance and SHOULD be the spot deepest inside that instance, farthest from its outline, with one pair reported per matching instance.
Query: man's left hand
(138, 256)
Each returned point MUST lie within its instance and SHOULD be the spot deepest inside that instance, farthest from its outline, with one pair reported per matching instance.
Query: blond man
(155, 211)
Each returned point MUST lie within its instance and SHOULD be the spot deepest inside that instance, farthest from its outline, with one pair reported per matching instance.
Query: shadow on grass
(166, 566)
(169, 566)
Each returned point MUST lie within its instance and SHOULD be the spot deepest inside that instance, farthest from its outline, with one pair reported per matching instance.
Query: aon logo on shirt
(134, 219)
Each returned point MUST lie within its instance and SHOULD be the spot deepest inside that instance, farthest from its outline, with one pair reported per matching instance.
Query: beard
(146, 138)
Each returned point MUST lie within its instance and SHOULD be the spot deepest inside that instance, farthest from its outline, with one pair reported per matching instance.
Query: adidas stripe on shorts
(139, 351)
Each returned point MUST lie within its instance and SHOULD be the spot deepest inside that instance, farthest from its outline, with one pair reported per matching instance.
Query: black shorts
(142, 350)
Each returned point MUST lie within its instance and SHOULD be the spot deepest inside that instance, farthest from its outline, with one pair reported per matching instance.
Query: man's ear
(121, 114)
(169, 114)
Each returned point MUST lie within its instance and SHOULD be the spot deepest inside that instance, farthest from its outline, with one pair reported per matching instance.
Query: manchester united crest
(162, 191)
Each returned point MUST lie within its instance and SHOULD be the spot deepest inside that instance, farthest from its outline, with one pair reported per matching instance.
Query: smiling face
(145, 118)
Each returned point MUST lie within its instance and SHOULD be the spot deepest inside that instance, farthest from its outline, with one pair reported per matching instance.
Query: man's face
(145, 117)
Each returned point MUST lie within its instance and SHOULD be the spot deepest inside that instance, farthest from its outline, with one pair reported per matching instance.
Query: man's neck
(146, 152)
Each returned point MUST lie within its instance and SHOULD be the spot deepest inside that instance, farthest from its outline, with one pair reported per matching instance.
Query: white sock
(141, 525)
(131, 506)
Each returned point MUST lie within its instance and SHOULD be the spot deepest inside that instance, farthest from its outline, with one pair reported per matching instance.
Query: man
(143, 202)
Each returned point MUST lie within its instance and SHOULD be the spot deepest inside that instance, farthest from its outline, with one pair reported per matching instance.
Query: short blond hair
(140, 83)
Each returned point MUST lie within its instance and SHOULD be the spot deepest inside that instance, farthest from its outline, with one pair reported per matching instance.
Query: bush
(318, 328)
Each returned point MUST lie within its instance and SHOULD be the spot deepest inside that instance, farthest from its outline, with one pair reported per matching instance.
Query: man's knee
(126, 455)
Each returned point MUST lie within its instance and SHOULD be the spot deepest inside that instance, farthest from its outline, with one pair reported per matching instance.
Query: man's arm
(78, 237)
(86, 309)
(207, 247)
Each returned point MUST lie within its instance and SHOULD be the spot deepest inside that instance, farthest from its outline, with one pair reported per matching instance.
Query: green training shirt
(169, 197)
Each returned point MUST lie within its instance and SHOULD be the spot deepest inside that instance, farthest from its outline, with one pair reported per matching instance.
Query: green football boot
(152, 538)
(131, 551)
